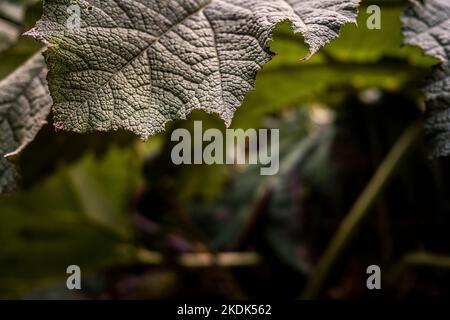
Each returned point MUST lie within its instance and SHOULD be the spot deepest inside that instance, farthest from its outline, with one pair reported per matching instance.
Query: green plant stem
(360, 209)
(416, 260)
(202, 260)
(426, 259)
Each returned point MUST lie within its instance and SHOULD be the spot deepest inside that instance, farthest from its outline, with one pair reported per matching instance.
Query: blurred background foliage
(140, 227)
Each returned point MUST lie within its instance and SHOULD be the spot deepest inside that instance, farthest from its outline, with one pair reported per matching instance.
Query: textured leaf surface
(24, 105)
(137, 64)
(428, 26)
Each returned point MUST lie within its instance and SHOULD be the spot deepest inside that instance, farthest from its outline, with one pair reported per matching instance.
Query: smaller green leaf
(135, 65)
(24, 106)
(60, 222)
(11, 17)
(428, 26)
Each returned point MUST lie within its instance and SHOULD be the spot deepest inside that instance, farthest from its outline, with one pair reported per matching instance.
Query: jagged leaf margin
(136, 64)
(24, 106)
(427, 25)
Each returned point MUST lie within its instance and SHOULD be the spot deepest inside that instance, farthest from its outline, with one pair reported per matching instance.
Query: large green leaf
(135, 65)
(428, 26)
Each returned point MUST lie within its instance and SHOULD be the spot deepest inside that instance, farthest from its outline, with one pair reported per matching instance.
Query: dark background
(142, 228)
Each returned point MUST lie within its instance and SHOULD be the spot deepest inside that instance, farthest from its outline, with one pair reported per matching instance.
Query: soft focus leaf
(15, 19)
(11, 17)
(60, 222)
(24, 106)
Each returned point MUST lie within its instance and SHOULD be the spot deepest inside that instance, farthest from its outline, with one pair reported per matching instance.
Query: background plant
(353, 166)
